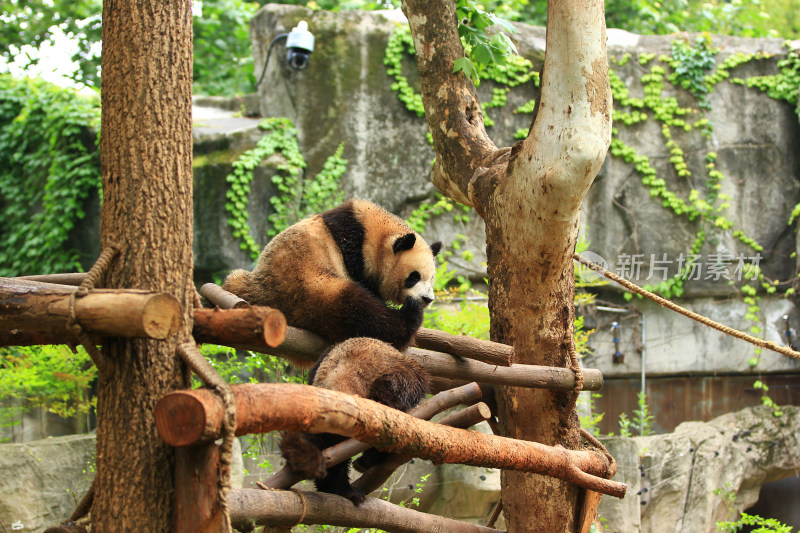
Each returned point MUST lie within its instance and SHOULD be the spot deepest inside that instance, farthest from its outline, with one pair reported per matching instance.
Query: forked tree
(529, 197)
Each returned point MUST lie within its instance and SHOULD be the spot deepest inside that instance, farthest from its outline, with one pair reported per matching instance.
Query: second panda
(367, 368)
(333, 274)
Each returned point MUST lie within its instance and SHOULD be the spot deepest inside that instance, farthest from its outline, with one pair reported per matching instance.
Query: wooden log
(302, 344)
(73, 278)
(187, 417)
(376, 476)
(286, 477)
(288, 508)
(221, 298)
(298, 344)
(196, 489)
(533, 376)
(39, 311)
(244, 326)
(493, 353)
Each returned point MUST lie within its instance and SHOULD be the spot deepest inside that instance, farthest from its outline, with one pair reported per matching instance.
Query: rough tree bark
(529, 197)
(146, 151)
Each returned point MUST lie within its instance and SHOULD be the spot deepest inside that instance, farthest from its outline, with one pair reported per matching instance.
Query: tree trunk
(146, 150)
(529, 197)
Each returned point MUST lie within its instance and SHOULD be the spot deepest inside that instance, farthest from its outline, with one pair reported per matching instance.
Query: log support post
(197, 506)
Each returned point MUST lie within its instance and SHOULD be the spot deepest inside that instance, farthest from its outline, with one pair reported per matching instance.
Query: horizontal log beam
(493, 353)
(186, 417)
(34, 313)
(539, 377)
(221, 298)
(32, 310)
(288, 508)
(286, 477)
(304, 344)
(72, 278)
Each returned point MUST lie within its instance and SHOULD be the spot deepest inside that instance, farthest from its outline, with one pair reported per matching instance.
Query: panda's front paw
(412, 314)
(356, 496)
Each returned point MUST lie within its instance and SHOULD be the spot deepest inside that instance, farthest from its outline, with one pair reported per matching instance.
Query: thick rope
(195, 360)
(89, 344)
(88, 283)
(303, 513)
(612, 463)
(575, 366)
(761, 343)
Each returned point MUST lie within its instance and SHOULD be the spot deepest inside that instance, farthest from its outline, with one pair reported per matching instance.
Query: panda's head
(410, 270)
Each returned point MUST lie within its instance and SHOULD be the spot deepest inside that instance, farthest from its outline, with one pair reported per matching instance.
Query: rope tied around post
(200, 366)
(88, 283)
(761, 343)
(575, 366)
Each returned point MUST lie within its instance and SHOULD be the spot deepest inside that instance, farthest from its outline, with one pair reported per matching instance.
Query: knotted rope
(575, 366)
(195, 360)
(85, 287)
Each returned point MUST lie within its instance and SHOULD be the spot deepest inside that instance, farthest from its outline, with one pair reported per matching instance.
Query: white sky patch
(55, 61)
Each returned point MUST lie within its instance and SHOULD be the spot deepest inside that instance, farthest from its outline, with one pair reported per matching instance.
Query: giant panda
(368, 368)
(333, 274)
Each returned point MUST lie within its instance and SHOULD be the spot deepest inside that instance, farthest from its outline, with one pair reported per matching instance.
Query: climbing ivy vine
(296, 198)
(48, 167)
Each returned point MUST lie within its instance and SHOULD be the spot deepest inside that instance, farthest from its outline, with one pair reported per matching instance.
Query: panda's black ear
(406, 242)
(436, 248)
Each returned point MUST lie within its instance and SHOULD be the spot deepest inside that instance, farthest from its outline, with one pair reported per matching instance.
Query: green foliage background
(223, 60)
(48, 167)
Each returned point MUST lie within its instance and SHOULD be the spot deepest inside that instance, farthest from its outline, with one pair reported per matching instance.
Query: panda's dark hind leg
(337, 479)
(401, 389)
(302, 454)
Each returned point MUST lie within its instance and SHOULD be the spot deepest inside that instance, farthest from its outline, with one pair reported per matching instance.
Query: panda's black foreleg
(359, 313)
(370, 458)
(337, 479)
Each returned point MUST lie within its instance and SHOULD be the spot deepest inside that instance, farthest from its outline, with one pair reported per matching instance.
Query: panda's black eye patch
(412, 279)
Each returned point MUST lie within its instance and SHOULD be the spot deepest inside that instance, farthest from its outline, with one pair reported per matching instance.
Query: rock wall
(735, 454)
(43, 480)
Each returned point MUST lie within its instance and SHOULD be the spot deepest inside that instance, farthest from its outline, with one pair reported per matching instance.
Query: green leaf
(463, 64)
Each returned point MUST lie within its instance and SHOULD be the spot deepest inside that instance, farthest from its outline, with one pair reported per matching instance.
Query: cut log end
(161, 316)
(274, 328)
(181, 419)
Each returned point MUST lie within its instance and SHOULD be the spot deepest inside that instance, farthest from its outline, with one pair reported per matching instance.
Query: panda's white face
(418, 288)
(413, 272)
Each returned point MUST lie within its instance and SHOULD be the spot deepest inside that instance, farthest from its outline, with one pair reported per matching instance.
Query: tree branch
(286, 477)
(288, 508)
(188, 417)
(452, 106)
(572, 131)
(377, 475)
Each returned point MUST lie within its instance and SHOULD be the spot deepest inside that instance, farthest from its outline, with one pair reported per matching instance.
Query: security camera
(299, 46)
